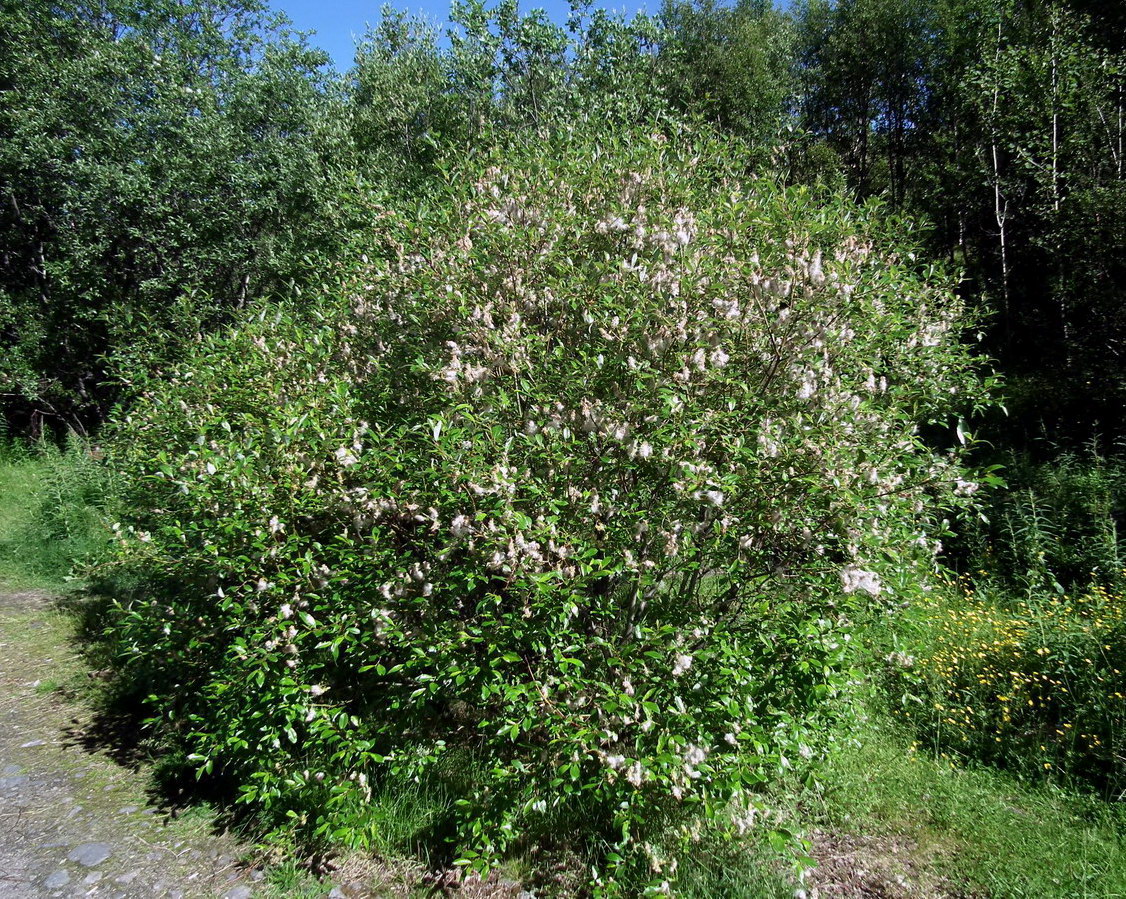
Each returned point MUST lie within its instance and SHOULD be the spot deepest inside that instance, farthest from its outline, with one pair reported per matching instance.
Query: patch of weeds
(1029, 683)
(732, 870)
(203, 813)
(401, 815)
(289, 879)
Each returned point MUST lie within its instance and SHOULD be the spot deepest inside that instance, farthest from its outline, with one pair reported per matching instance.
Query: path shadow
(116, 726)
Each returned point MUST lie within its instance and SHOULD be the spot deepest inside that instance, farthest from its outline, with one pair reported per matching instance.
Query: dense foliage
(1003, 125)
(542, 414)
(161, 165)
(581, 472)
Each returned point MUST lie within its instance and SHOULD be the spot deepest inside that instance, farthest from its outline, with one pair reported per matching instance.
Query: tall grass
(1034, 684)
(54, 505)
(1005, 765)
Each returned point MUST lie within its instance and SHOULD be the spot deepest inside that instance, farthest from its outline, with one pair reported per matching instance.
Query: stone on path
(90, 854)
(57, 880)
(239, 892)
(11, 777)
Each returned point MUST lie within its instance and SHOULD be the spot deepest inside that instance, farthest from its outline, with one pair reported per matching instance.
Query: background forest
(617, 438)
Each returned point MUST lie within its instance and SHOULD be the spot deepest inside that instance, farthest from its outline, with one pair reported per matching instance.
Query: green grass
(986, 832)
(52, 514)
(290, 880)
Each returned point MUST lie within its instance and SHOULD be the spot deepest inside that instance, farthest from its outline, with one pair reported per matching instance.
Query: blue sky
(338, 23)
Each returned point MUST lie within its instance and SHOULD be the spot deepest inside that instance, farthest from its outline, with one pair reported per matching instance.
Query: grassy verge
(971, 831)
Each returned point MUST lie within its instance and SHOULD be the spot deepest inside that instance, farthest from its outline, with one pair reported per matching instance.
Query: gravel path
(73, 821)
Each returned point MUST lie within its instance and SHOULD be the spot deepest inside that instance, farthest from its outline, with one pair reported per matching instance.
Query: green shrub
(561, 497)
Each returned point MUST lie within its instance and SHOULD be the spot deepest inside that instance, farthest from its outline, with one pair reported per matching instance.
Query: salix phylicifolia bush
(578, 475)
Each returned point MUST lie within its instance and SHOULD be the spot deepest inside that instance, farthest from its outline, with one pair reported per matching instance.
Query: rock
(31, 743)
(336, 893)
(127, 810)
(239, 892)
(127, 879)
(93, 877)
(10, 770)
(91, 854)
(12, 781)
(57, 880)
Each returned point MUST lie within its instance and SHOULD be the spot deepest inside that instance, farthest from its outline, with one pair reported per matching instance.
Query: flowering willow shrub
(578, 473)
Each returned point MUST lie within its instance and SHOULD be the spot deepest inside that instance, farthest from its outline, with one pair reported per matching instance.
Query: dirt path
(74, 822)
